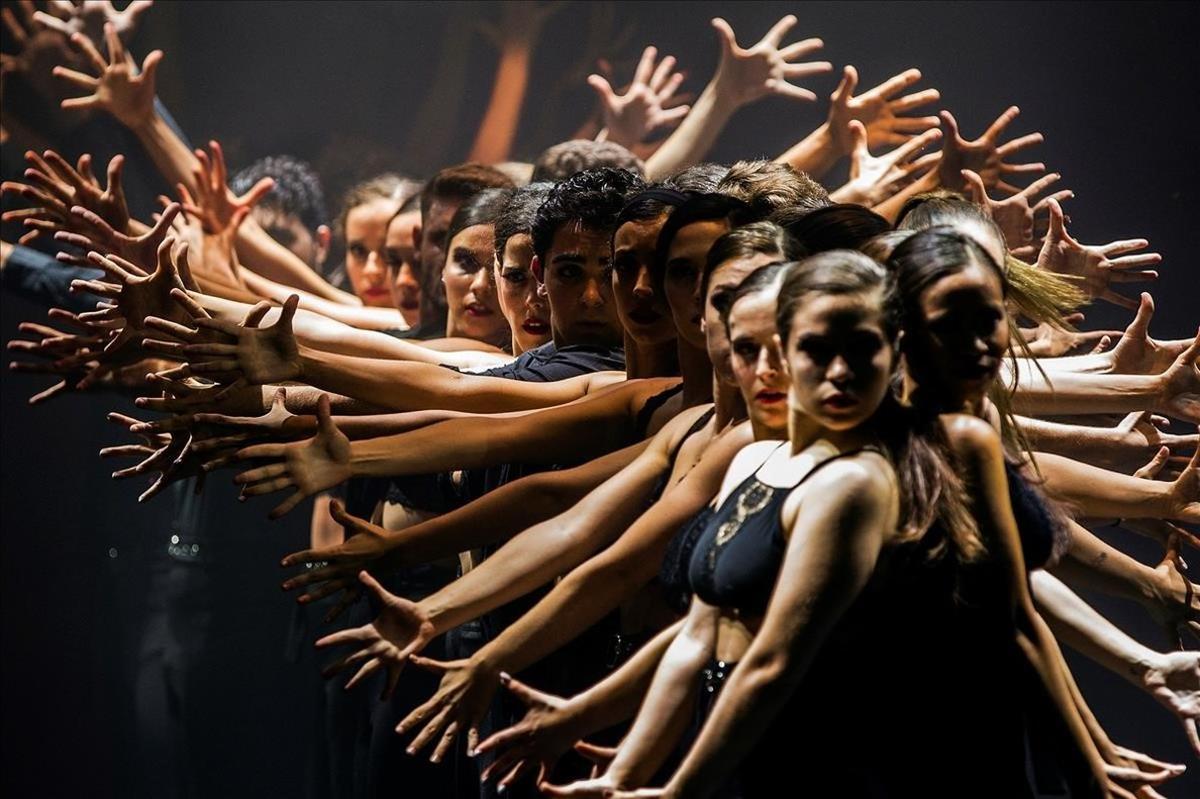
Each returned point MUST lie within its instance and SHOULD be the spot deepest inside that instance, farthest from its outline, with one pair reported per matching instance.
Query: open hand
(117, 86)
(400, 629)
(873, 180)
(986, 155)
(459, 705)
(745, 75)
(646, 105)
(879, 110)
(310, 466)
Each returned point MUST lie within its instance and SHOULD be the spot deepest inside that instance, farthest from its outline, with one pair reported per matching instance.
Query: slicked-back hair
(844, 226)
(388, 186)
(518, 213)
(699, 208)
(770, 187)
(297, 191)
(460, 183)
(767, 276)
(756, 238)
(592, 198)
(700, 178)
(568, 158)
(482, 209)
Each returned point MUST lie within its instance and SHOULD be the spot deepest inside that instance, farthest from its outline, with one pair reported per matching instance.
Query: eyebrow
(568, 256)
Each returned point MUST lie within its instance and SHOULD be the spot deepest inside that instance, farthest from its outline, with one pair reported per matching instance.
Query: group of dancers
(638, 475)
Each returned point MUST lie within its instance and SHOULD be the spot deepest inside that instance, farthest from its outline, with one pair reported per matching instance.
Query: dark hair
(1039, 295)
(932, 496)
(756, 238)
(460, 183)
(593, 198)
(701, 178)
(568, 158)
(699, 208)
(651, 203)
(880, 247)
(482, 209)
(518, 213)
(762, 278)
(297, 189)
(843, 226)
(770, 186)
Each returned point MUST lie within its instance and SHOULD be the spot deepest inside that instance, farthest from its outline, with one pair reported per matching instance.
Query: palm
(1181, 396)
(320, 463)
(748, 74)
(126, 96)
(402, 626)
(1176, 683)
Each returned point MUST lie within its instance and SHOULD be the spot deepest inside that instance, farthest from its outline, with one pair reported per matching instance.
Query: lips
(478, 309)
(536, 327)
(375, 291)
(839, 401)
(644, 316)
(766, 397)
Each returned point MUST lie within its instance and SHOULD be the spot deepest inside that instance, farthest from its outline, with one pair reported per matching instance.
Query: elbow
(768, 670)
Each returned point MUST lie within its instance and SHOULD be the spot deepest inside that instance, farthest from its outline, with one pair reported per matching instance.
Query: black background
(1112, 86)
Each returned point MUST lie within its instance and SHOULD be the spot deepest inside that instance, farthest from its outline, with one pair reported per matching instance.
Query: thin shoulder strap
(832, 458)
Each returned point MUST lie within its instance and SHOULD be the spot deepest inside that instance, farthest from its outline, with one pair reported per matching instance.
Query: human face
(724, 279)
(641, 305)
(400, 259)
(434, 226)
(839, 359)
(474, 311)
(955, 349)
(517, 290)
(579, 287)
(366, 231)
(756, 360)
(681, 279)
(288, 230)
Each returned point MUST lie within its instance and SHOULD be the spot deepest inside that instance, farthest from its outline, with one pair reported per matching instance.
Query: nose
(480, 285)
(767, 366)
(407, 276)
(644, 287)
(374, 270)
(593, 295)
(839, 370)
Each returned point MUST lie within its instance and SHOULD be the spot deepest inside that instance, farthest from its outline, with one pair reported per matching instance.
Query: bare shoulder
(972, 439)
(865, 479)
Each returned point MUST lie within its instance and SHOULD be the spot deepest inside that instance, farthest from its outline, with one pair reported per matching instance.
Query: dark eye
(681, 271)
(515, 276)
(746, 350)
(624, 264)
(818, 349)
(568, 272)
(358, 251)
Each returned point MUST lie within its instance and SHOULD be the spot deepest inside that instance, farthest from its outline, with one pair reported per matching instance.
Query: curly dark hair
(593, 198)
(568, 158)
(297, 191)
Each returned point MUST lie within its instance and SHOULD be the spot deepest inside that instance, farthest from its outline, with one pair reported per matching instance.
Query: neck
(697, 372)
(728, 405)
(804, 433)
(650, 360)
(936, 402)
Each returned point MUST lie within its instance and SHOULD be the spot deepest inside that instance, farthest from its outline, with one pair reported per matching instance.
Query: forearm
(355, 315)
(694, 137)
(406, 386)
(1084, 770)
(816, 154)
(171, 155)
(493, 142)
(263, 255)
(1091, 563)
(618, 696)
(1100, 493)
(664, 712)
(500, 514)
(1077, 624)
(890, 208)
(1099, 363)
(525, 563)
(1096, 446)
(1082, 393)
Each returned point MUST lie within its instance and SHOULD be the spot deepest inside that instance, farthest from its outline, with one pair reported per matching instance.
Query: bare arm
(1099, 493)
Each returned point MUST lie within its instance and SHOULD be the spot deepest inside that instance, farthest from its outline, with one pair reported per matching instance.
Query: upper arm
(980, 455)
(838, 528)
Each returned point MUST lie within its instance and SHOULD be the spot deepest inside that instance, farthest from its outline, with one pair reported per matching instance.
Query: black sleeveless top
(736, 559)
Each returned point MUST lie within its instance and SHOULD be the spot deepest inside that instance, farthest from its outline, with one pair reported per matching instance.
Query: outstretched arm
(1099, 493)
(743, 76)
